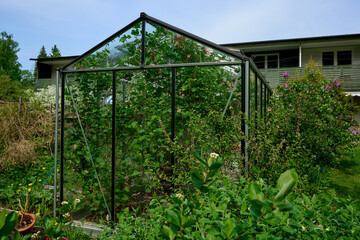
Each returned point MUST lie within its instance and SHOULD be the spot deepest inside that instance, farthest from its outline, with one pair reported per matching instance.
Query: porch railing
(350, 75)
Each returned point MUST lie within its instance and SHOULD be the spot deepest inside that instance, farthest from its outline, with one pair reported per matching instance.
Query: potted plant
(26, 220)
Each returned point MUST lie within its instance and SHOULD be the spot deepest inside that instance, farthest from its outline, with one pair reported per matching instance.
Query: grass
(345, 178)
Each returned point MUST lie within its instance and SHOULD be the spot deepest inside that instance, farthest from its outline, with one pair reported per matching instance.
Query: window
(272, 61)
(344, 58)
(259, 61)
(328, 58)
(266, 61)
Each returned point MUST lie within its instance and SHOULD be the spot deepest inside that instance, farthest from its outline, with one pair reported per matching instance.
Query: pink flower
(285, 85)
(328, 87)
(336, 83)
(286, 74)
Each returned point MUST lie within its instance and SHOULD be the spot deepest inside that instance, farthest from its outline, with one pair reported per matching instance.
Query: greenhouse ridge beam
(175, 65)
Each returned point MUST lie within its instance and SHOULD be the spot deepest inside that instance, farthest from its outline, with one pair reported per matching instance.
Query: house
(338, 55)
(46, 68)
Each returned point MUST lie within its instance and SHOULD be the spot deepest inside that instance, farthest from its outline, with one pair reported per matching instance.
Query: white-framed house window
(266, 60)
(331, 58)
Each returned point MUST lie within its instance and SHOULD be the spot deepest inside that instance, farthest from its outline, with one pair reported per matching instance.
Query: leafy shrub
(223, 209)
(309, 127)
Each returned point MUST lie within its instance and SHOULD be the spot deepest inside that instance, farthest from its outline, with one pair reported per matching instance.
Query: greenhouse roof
(147, 43)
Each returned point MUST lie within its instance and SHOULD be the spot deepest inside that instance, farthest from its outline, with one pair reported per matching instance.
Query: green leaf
(172, 217)
(284, 207)
(17, 236)
(256, 196)
(196, 180)
(2, 218)
(286, 182)
(210, 236)
(198, 157)
(9, 225)
(229, 224)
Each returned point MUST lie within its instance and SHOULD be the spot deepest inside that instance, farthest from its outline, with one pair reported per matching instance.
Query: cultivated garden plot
(165, 135)
(136, 106)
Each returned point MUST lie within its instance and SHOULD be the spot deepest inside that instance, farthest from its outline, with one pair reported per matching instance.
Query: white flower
(64, 203)
(77, 200)
(67, 215)
(179, 195)
(214, 155)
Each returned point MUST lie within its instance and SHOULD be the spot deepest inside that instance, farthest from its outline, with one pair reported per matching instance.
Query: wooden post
(20, 103)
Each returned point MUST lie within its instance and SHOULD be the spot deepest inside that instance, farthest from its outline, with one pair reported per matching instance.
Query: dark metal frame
(245, 62)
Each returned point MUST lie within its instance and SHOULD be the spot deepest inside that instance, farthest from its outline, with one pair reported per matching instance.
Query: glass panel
(328, 58)
(166, 47)
(344, 57)
(123, 50)
(272, 61)
(202, 94)
(259, 61)
(143, 113)
(89, 91)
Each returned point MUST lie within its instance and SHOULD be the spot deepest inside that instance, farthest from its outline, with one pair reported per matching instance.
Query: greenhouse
(134, 108)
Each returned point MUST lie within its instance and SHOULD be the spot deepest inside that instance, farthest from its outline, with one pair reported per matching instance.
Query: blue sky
(77, 25)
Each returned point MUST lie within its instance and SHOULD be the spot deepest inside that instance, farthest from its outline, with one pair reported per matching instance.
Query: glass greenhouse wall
(135, 106)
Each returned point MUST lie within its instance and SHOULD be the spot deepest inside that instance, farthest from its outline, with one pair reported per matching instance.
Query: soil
(26, 221)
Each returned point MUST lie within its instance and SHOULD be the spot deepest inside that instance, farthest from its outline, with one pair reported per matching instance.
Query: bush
(223, 209)
(310, 126)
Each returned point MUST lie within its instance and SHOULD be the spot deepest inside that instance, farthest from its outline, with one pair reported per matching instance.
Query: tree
(42, 53)
(55, 52)
(10, 90)
(9, 64)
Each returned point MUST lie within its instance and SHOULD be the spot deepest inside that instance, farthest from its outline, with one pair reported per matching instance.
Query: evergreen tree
(55, 52)
(9, 64)
(42, 53)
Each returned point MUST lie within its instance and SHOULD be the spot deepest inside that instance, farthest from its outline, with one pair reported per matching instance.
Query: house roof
(294, 43)
(55, 60)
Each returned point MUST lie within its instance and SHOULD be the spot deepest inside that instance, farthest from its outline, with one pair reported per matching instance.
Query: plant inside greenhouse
(140, 102)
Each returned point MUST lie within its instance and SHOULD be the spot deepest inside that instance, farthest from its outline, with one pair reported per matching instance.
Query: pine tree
(55, 52)
(42, 53)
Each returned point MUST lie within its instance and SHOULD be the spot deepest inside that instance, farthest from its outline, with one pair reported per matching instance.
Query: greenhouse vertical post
(56, 138)
(173, 89)
(256, 99)
(247, 111)
(113, 147)
(62, 137)
(243, 108)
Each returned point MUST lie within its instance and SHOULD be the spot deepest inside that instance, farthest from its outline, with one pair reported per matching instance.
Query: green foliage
(55, 52)
(9, 64)
(242, 210)
(309, 126)
(7, 225)
(10, 90)
(143, 127)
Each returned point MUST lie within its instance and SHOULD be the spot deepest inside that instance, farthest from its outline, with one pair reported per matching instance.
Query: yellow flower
(40, 180)
(29, 189)
(57, 169)
(20, 184)
(44, 168)
(56, 224)
(30, 184)
(18, 190)
(12, 184)
(37, 214)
